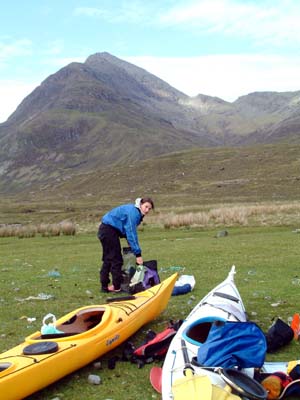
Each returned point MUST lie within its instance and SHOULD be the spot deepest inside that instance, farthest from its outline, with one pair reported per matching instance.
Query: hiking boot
(112, 289)
(104, 290)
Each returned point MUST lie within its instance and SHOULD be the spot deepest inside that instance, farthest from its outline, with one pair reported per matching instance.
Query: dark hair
(147, 200)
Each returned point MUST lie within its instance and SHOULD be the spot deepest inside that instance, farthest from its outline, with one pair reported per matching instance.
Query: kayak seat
(82, 321)
(197, 332)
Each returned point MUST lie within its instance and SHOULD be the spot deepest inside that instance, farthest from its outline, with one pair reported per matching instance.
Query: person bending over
(120, 222)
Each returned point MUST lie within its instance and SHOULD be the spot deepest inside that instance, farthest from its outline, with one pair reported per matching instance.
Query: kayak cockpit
(197, 332)
(82, 321)
(4, 366)
(77, 323)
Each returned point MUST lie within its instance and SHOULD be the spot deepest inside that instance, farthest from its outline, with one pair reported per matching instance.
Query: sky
(222, 48)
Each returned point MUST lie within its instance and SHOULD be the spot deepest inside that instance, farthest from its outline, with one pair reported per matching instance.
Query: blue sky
(223, 48)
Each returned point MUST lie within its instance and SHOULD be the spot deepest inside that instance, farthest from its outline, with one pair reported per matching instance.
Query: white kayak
(223, 303)
(181, 377)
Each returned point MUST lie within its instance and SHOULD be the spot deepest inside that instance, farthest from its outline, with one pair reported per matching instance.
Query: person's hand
(139, 260)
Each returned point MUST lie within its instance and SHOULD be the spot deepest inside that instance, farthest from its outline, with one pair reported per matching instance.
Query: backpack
(145, 276)
(154, 347)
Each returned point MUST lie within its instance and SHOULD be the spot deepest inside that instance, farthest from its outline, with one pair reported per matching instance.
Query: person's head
(146, 204)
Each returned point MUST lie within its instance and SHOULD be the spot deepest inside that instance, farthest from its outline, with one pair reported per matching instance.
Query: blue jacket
(125, 219)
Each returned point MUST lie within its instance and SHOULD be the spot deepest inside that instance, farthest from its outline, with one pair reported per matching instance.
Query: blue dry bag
(233, 344)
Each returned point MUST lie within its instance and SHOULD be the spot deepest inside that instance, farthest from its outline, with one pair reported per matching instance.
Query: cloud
(14, 48)
(275, 22)
(132, 12)
(267, 22)
(54, 48)
(90, 12)
(12, 94)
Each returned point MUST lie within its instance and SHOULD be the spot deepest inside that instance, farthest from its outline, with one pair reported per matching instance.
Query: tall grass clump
(54, 229)
(229, 216)
(6, 231)
(16, 230)
(26, 231)
(43, 229)
(68, 228)
(172, 220)
(220, 216)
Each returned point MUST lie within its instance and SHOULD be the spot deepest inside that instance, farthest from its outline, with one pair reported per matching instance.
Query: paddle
(243, 384)
(191, 386)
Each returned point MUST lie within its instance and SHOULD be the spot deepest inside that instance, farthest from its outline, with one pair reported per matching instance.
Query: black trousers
(111, 256)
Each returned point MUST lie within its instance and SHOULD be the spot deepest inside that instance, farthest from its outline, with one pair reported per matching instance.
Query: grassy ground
(268, 278)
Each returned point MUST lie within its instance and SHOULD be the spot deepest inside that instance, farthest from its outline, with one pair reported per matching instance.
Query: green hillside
(187, 179)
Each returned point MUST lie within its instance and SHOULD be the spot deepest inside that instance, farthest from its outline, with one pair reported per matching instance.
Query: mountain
(106, 111)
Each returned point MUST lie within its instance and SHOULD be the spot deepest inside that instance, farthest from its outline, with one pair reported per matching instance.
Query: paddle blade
(219, 393)
(192, 387)
(155, 378)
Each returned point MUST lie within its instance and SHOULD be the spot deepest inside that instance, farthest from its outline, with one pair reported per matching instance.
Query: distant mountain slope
(107, 111)
(81, 117)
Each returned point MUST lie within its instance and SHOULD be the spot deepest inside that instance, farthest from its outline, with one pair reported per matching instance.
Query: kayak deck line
(122, 305)
(231, 310)
(127, 308)
(30, 357)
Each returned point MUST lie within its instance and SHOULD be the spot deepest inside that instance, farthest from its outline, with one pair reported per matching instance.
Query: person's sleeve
(131, 234)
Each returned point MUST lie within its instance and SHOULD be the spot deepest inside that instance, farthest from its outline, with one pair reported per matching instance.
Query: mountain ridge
(107, 111)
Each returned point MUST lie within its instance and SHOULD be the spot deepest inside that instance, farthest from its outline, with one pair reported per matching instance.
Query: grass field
(252, 192)
(268, 278)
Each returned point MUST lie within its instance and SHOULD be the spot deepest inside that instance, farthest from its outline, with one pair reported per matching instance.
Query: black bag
(148, 278)
(279, 334)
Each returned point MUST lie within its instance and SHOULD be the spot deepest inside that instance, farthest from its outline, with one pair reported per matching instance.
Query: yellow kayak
(87, 334)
